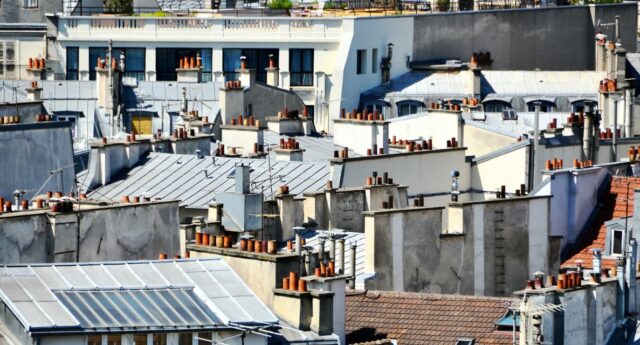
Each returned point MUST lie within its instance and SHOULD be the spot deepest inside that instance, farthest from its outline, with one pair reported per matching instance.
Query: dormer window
(616, 240)
(547, 104)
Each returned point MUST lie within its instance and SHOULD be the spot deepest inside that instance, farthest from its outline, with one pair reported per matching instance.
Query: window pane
(184, 339)
(204, 339)
(140, 339)
(160, 339)
(94, 340)
(374, 61)
(114, 340)
(617, 242)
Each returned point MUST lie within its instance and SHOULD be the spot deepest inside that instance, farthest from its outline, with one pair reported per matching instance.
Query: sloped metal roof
(196, 181)
(420, 84)
(116, 296)
(57, 95)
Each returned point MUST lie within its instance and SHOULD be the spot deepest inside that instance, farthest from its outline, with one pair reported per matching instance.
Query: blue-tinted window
(168, 60)
(134, 61)
(301, 67)
(257, 59)
(72, 63)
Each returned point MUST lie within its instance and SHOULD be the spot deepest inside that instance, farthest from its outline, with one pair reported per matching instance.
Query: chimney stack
(352, 281)
(34, 93)
(231, 101)
(273, 73)
(246, 76)
(242, 174)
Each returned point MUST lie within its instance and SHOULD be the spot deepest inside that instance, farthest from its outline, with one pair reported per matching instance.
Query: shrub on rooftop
(118, 6)
(280, 4)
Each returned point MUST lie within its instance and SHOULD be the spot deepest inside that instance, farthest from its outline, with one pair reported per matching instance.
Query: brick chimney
(231, 101)
(190, 69)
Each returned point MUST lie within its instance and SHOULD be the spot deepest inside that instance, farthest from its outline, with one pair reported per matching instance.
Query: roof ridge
(426, 295)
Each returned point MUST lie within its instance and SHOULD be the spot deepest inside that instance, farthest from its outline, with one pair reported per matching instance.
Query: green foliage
(280, 4)
(154, 14)
(330, 5)
(443, 5)
(118, 6)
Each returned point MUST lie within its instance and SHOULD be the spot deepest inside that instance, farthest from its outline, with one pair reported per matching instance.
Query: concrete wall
(26, 110)
(554, 38)
(513, 162)
(497, 250)
(426, 172)
(264, 100)
(29, 151)
(439, 126)
(111, 233)
(361, 136)
(480, 141)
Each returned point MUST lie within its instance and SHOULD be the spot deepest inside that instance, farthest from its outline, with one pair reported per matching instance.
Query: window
(139, 339)
(545, 106)
(134, 61)
(257, 59)
(205, 338)
(72, 63)
(617, 242)
(30, 4)
(361, 58)
(301, 67)
(185, 339)
(578, 106)
(7, 60)
(69, 118)
(114, 340)
(374, 61)
(94, 340)
(496, 106)
(409, 107)
(160, 339)
(465, 341)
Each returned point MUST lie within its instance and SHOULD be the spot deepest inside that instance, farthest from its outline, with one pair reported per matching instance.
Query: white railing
(200, 29)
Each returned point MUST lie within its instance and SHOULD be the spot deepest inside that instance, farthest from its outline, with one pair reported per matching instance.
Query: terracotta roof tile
(419, 318)
(617, 202)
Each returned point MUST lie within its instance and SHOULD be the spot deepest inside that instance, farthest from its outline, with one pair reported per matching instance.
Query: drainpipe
(614, 149)
(631, 277)
(341, 247)
(298, 231)
(110, 101)
(628, 114)
(352, 281)
(586, 133)
(536, 137)
(621, 295)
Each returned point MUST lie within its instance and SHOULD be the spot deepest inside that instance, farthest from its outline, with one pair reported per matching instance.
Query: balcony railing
(198, 29)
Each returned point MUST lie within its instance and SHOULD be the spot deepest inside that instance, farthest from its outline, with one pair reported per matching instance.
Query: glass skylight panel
(13, 290)
(146, 302)
(148, 275)
(231, 309)
(79, 310)
(35, 288)
(75, 277)
(57, 314)
(34, 316)
(116, 312)
(165, 308)
(196, 307)
(231, 283)
(172, 273)
(143, 313)
(178, 308)
(124, 276)
(253, 307)
(93, 305)
(100, 276)
(207, 284)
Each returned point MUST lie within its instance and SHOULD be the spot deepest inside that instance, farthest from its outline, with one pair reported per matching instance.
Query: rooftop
(140, 295)
(616, 202)
(422, 318)
(195, 181)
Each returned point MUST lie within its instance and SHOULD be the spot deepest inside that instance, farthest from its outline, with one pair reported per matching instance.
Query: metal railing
(300, 79)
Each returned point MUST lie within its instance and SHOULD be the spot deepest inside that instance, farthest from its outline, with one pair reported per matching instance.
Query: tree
(118, 6)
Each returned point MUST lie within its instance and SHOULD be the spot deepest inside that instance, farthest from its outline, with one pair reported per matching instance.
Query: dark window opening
(361, 61)
(72, 63)
(257, 59)
(168, 60)
(301, 67)
(617, 243)
(496, 106)
(545, 106)
(134, 61)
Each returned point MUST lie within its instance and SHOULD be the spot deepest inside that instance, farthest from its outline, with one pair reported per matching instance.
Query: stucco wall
(514, 168)
(427, 172)
(114, 233)
(555, 38)
(481, 142)
(29, 151)
(264, 100)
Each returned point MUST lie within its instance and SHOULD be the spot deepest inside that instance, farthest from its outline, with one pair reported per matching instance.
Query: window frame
(361, 61)
(304, 73)
(30, 4)
(75, 76)
(612, 243)
(374, 60)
